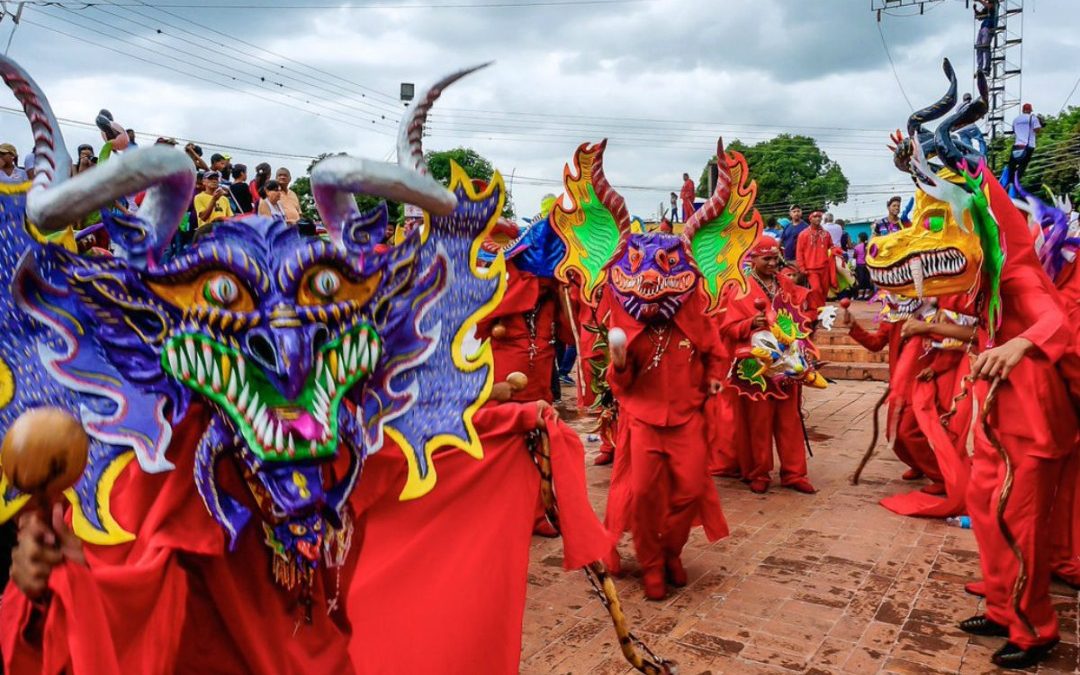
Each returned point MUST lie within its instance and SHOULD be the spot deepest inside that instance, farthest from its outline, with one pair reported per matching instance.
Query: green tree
(789, 169)
(1055, 166)
(474, 164)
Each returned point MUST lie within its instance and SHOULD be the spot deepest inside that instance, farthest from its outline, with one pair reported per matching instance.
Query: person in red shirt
(1035, 428)
(687, 194)
(774, 417)
(664, 436)
(814, 256)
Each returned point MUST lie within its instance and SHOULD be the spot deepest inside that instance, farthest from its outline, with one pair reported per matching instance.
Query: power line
(393, 102)
(369, 109)
(892, 64)
(488, 4)
(195, 76)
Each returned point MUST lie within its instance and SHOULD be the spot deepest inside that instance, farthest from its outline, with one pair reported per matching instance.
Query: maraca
(760, 304)
(845, 302)
(504, 391)
(43, 453)
(616, 338)
(498, 331)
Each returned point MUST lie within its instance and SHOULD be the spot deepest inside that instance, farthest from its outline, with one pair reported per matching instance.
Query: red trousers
(727, 437)
(912, 446)
(819, 289)
(668, 480)
(1027, 517)
(777, 419)
(1065, 522)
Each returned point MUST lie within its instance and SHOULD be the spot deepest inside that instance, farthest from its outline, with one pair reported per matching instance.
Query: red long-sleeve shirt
(670, 392)
(527, 347)
(813, 249)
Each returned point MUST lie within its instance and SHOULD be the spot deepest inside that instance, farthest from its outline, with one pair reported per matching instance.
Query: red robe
(687, 195)
(1036, 427)
(1066, 517)
(659, 484)
(814, 256)
(441, 580)
(528, 346)
(905, 363)
(174, 600)
(929, 400)
(760, 423)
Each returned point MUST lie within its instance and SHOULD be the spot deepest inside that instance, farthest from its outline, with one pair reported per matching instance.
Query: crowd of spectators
(223, 189)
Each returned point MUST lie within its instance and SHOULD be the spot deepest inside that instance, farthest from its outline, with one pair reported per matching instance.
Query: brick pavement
(828, 583)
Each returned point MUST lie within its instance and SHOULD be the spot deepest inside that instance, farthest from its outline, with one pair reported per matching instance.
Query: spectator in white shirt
(1026, 129)
(835, 230)
(9, 169)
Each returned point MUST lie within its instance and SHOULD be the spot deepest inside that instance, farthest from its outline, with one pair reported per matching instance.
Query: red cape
(442, 579)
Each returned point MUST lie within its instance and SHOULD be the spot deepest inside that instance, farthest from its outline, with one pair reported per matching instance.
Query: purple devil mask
(652, 275)
(303, 350)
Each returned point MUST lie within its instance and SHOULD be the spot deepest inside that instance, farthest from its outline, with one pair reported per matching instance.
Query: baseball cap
(8, 147)
(412, 211)
(218, 157)
(212, 175)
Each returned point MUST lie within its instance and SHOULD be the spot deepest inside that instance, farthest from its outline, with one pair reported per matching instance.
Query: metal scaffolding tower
(998, 51)
(1006, 54)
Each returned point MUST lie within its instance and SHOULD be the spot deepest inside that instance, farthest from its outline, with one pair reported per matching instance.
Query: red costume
(1036, 428)
(943, 367)
(175, 600)
(532, 319)
(814, 256)
(905, 363)
(659, 485)
(459, 556)
(759, 422)
(1065, 560)
(687, 195)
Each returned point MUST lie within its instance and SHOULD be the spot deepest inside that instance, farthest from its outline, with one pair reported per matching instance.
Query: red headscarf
(765, 245)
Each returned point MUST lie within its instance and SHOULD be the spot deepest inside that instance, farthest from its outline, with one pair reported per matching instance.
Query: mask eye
(297, 530)
(325, 284)
(635, 259)
(214, 288)
(221, 291)
(667, 259)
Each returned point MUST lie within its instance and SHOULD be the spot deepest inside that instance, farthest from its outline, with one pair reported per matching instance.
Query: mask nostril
(319, 339)
(873, 250)
(262, 351)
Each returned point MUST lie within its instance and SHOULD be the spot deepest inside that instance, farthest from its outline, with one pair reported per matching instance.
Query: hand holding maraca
(759, 321)
(44, 452)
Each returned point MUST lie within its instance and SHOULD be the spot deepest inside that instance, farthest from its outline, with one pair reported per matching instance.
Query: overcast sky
(660, 78)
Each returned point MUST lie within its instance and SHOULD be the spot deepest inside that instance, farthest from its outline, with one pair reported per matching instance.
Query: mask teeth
(917, 275)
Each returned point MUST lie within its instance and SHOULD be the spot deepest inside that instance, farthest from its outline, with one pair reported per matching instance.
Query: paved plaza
(825, 583)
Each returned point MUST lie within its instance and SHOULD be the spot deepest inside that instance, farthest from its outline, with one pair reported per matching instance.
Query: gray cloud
(807, 67)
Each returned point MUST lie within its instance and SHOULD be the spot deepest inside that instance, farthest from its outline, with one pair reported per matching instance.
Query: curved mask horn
(335, 180)
(58, 199)
(52, 164)
(938, 108)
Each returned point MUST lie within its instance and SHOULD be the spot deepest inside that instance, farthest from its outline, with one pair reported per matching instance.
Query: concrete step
(840, 353)
(878, 372)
